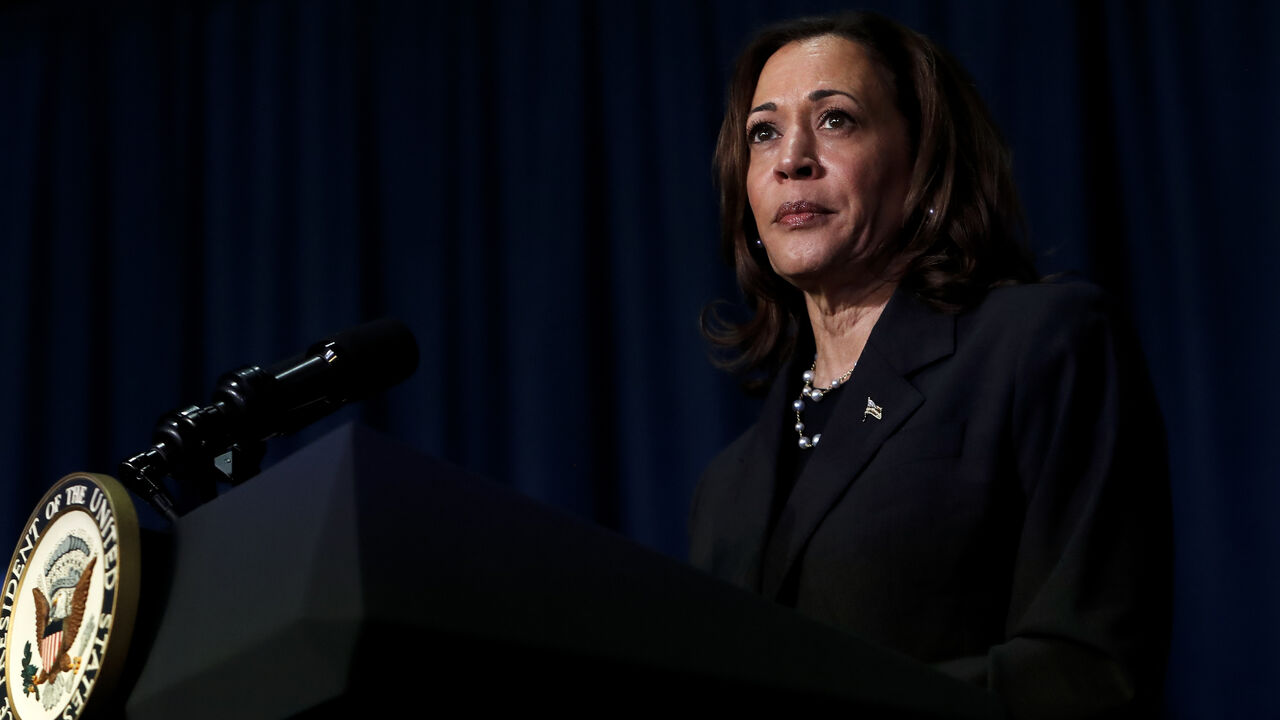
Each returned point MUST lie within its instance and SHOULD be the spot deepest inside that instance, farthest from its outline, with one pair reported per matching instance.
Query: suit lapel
(907, 336)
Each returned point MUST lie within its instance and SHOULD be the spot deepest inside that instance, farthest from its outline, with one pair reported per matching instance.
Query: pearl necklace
(815, 395)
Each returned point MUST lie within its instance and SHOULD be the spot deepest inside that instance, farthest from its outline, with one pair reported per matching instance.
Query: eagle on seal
(58, 625)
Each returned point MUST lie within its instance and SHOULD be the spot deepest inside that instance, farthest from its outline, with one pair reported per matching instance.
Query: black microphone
(252, 405)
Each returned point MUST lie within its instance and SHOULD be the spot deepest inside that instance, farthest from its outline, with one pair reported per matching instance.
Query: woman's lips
(799, 213)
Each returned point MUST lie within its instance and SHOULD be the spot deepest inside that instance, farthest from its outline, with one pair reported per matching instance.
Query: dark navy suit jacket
(1007, 518)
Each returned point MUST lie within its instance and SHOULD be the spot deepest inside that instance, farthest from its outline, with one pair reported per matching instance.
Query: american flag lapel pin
(873, 410)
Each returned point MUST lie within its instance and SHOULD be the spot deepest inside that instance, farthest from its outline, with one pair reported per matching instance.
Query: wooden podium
(359, 577)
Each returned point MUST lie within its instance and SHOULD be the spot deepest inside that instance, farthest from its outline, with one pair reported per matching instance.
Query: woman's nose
(798, 159)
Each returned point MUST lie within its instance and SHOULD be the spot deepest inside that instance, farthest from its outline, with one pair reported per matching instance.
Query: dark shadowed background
(189, 187)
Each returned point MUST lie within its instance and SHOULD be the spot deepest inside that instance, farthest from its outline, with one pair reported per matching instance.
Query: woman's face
(829, 161)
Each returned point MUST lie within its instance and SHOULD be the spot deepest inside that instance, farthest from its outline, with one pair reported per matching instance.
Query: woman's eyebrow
(826, 93)
(814, 96)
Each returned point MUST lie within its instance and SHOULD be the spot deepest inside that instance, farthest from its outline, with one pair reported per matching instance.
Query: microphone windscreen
(370, 357)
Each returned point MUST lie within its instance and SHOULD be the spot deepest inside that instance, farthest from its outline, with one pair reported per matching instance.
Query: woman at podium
(955, 460)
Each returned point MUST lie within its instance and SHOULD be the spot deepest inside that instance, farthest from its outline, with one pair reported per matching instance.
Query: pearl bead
(812, 394)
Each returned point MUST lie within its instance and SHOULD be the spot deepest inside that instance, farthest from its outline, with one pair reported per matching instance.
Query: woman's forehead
(799, 68)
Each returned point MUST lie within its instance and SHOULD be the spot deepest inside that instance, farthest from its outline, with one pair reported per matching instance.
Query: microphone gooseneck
(252, 405)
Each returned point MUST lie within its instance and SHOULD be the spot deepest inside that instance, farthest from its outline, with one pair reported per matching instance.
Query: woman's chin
(806, 266)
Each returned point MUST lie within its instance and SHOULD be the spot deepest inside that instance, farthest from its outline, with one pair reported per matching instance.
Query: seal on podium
(70, 598)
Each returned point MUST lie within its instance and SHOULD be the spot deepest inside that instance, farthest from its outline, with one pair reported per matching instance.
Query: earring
(759, 242)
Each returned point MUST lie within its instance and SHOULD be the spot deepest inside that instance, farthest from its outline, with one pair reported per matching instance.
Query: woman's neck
(841, 324)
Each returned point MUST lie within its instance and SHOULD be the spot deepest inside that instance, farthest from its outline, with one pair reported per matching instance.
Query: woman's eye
(761, 132)
(836, 120)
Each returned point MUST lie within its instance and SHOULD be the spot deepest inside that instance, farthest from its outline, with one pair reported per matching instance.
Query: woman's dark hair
(963, 220)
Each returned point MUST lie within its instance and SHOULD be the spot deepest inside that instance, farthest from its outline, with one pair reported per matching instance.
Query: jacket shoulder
(1060, 301)
(1039, 317)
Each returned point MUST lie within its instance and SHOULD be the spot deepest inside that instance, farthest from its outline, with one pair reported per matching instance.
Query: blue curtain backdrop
(189, 187)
